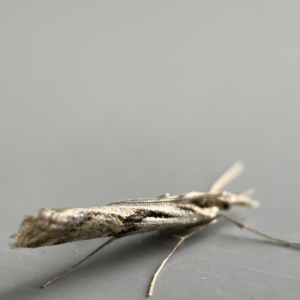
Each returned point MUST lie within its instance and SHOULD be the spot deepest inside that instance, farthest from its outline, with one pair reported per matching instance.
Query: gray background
(107, 100)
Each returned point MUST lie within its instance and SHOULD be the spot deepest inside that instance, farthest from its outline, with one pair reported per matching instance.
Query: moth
(165, 214)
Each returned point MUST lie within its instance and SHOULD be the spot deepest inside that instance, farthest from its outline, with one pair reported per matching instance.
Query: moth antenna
(228, 176)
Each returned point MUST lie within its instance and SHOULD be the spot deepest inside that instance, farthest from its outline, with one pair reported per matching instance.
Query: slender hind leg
(79, 263)
(263, 235)
(181, 240)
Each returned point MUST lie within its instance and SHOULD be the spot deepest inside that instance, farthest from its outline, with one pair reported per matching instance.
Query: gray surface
(103, 101)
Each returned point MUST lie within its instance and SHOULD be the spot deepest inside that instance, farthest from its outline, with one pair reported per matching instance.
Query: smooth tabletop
(102, 101)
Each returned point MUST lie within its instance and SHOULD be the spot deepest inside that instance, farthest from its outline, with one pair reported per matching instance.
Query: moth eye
(226, 205)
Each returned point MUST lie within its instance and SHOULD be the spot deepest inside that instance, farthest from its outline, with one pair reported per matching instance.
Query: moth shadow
(131, 255)
(128, 262)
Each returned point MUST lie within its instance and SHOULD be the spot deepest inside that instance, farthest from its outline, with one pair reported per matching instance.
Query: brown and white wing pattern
(58, 226)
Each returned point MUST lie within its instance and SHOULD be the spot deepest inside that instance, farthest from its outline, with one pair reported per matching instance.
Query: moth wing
(163, 199)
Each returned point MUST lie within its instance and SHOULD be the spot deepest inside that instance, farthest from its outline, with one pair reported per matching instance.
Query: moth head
(240, 199)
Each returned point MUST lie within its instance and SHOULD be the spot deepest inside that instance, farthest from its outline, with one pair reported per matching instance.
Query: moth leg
(79, 263)
(263, 235)
(228, 176)
(181, 240)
